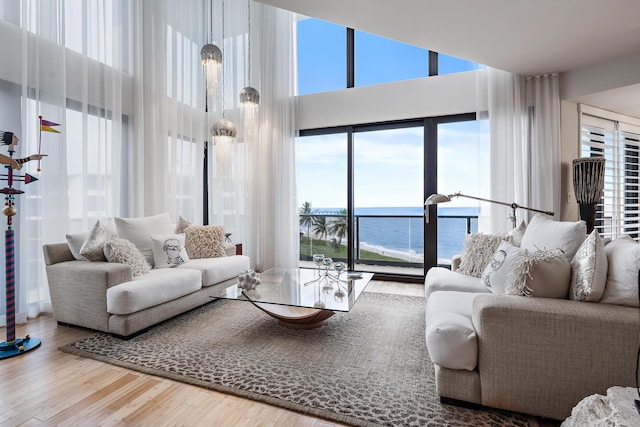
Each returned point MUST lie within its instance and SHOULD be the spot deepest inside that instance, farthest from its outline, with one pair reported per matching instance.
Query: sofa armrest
(78, 291)
(560, 349)
(56, 252)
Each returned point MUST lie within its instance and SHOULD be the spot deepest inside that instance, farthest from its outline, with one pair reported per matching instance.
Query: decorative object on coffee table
(588, 183)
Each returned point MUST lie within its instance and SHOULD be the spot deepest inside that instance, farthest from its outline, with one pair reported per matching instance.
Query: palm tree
(339, 227)
(321, 227)
(306, 220)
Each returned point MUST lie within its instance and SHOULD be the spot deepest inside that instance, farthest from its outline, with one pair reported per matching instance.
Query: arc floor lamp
(442, 198)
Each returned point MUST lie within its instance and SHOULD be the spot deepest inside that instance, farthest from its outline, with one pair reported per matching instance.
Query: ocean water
(405, 235)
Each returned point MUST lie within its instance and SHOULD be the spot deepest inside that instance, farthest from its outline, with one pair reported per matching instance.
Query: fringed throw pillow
(542, 274)
(120, 250)
(205, 241)
(477, 252)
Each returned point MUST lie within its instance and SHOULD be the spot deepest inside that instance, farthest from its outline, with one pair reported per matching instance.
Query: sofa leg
(128, 337)
(461, 403)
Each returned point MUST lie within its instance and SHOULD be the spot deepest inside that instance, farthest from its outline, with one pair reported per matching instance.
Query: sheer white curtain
(67, 61)
(169, 127)
(124, 81)
(524, 117)
(257, 202)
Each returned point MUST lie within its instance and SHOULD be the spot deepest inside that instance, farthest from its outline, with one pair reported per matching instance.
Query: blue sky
(388, 164)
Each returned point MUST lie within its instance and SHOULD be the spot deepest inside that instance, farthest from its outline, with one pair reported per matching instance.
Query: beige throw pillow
(121, 250)
(589, 270)
(477, 252)
(542, 274)
(182, 224)
(93, 246)
(205, 241)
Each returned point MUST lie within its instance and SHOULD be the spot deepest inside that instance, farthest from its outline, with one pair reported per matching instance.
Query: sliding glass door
(388, 193)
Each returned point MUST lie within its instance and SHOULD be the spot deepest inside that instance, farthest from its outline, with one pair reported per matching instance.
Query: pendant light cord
(249, 40)
(223, 62)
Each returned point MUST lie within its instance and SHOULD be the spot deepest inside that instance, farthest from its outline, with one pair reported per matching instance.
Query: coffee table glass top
(302, 287)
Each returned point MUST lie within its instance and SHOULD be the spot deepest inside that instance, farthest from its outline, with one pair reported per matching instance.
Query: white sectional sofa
(106, 296)
(530, 354)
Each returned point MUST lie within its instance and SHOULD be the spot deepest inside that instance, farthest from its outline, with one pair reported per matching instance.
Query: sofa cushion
(168, 250)
(123, 251)
(443, 279)
(542, 274)
(151, 289)
(216, 270)
(623, 257)
(543, 233)
(205, 241)
(451, 339)
(477, 252)
(517, 234)
(495, 273)
(93, 247)
(589, 270)
(138, 230)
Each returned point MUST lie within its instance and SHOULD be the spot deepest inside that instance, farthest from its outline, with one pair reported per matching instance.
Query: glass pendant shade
(249, 95)
(212, 61)
(224, 131)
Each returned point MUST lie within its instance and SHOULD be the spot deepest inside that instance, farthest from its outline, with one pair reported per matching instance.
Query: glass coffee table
(301, 298)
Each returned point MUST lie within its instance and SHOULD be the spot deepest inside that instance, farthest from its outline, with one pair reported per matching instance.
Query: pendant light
(211, 56)
(223, 131)
(249, 96)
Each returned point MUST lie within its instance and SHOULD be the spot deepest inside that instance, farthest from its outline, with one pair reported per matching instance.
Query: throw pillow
(168, 250)
(543, 233)
(138, 230)
(205, 241)
(542, 274)
(517, 234)
(477, 252)
(589, 270)
(92, 247)
(120, 250)
(75, 242)
(495, 273)
(623, 257)
(182, 225)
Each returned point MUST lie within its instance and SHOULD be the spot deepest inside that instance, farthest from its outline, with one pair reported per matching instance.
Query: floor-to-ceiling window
(363, 202)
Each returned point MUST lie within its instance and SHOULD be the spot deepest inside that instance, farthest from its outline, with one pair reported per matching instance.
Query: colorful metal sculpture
(13, 346)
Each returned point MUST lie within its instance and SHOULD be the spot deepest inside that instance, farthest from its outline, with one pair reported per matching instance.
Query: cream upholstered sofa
(529, 354)
(112, 297)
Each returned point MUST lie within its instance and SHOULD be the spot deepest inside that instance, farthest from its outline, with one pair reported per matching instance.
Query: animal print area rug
(368, 367)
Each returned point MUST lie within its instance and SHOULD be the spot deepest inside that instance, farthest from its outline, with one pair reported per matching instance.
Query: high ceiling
(525, 37)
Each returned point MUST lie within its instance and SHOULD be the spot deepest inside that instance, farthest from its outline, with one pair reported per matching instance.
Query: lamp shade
(588, 179)
(249, 95)
(224, 128)
(210, 52)
(437, 198)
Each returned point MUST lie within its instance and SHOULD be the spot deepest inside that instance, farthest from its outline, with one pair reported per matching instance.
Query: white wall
(408, 99)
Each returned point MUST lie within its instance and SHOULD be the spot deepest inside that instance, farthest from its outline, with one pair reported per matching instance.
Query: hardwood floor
(47, 387)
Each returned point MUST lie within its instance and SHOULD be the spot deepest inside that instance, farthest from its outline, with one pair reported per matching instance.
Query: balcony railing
(384, 240)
